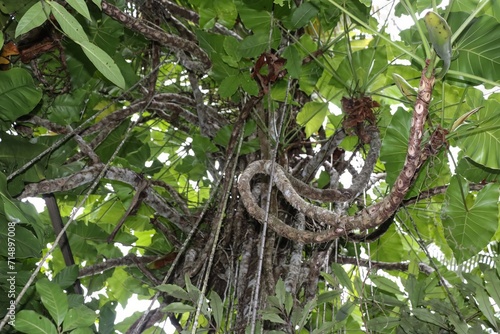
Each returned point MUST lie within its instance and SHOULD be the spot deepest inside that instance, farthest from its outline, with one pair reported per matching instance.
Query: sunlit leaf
(80, 6)
(34, 17)
(312, 116)
(479, 48)
(68, 23)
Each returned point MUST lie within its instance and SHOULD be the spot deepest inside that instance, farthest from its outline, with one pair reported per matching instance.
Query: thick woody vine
(369, 217)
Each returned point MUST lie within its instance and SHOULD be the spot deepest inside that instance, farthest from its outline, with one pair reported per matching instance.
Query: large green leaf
(469, 221)
(66, 277)
(25, 243)
(475, 172)
(480, 140)
(395, 144)
(68, 23)
(31, 322)
(312, 116)
(254, 45)
(54, 299)
(256, 20)
(303, 15)
(18, 94)
(15, 152)
(34, 17)
(366, 65)
(103, 62)
(78, 317)
(478, 47)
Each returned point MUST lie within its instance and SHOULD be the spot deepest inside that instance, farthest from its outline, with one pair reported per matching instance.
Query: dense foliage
(250, 166)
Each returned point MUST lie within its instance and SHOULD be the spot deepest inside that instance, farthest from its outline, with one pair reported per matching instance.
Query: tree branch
(154, 33)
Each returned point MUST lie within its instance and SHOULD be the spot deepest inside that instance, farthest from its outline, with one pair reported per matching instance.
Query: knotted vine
(340, 225)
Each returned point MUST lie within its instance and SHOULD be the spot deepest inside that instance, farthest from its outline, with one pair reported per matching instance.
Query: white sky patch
(135, 117)
(164, 158)
(37, 202)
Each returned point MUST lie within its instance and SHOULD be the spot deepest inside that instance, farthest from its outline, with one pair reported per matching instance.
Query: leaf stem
(375, 32)
(425, 43)
(473, 77)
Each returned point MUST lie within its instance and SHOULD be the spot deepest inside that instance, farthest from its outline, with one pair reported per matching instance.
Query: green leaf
(382, 323)
(475, 172)
(303, 15)
(229, 86)
(33, 323)
(425, 315)
(98, 3)
(367, 65)
(2, 39)
(34, 17)
(280, 292)
(66, 277)
(345, 311)
(107, 316)
(329, 296)
(68, 23)
(469, 223)
(81, 7)
(293, 61)
(248, 84)
(309, 76)
(231, 46)
(18, 94)
(312, 116)
(177, 307)
(217, 307)
(492, 285)
(288, 303)
(480, 139)
(80, 316)
(395, 144)
(226, 12)
(385, 284)
(26, 244)
(103, 62)
(273, 318)
(174, 291)
(54, 299)
(254, 45)
(86, 330)
(341, 276)
(484, 304)
(13, 210)
(478, 47)
(256, 20)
